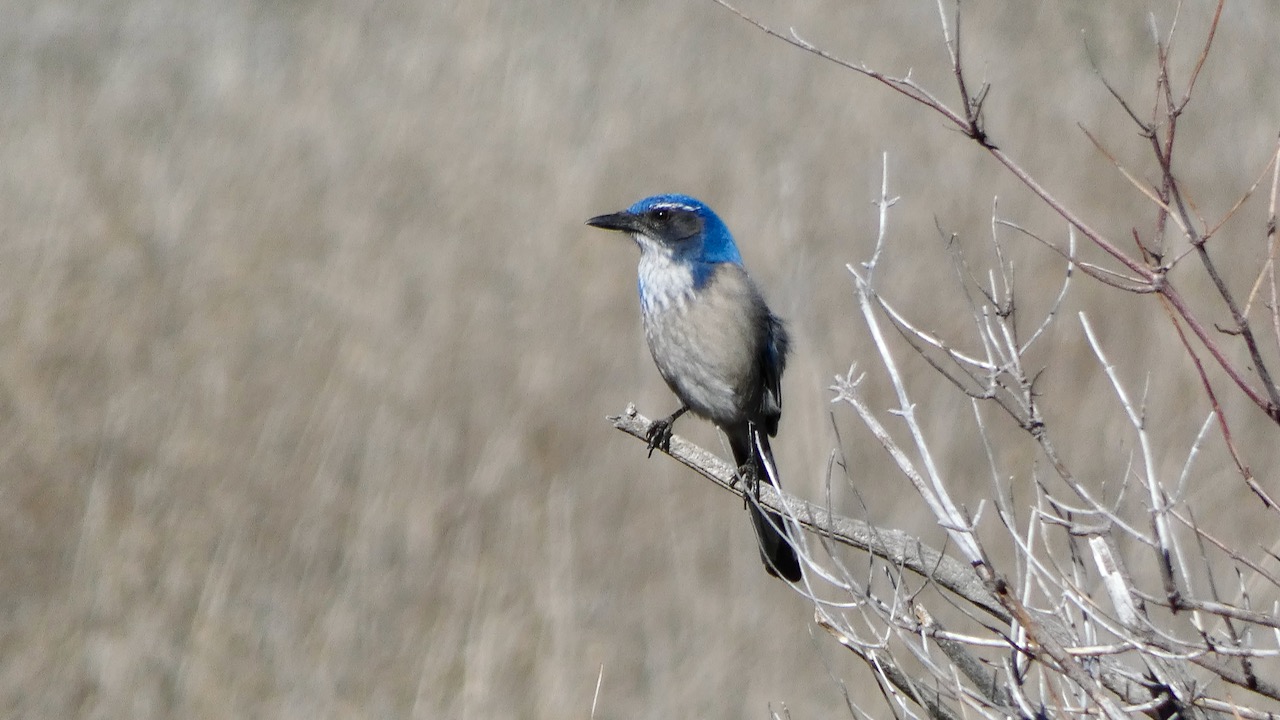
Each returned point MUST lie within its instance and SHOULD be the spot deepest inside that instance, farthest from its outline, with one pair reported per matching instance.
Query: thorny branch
(1153, 275)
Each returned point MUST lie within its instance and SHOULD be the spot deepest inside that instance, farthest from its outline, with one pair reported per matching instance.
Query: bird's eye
(661, 214)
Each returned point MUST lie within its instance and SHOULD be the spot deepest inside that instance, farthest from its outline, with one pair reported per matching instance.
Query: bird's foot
(659, 434)
(750, 479)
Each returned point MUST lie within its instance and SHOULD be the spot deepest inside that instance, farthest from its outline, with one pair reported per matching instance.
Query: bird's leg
(749, 472)
(659, 434)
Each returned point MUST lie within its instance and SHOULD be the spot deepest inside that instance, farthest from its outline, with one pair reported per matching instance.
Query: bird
(716, 343)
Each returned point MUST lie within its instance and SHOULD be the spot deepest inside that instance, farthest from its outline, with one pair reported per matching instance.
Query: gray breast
(707, 346)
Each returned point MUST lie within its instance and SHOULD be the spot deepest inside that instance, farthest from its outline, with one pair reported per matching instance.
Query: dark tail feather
(775, 547)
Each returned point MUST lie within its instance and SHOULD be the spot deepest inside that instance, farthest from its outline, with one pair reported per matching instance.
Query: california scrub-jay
(714, 340)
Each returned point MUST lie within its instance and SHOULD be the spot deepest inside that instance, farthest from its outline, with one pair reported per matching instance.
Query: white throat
(664, 282)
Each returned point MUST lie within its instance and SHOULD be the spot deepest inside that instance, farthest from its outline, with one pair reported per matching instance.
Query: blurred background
(307, 351)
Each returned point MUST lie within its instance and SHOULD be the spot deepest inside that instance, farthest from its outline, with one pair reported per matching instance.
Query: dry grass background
(306, 348)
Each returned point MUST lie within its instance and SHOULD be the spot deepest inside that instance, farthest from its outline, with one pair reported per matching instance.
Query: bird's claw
(659, 436)
(750, 482)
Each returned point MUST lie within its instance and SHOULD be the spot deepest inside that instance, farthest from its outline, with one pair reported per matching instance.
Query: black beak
(623, 221)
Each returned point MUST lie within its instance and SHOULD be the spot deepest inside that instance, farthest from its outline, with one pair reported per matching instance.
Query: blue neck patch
(702, 272)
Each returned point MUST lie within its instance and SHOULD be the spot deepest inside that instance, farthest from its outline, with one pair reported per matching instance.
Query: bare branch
(1268, 398)
(894, 546)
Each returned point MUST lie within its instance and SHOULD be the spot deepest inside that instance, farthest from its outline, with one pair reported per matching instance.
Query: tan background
(306, 348)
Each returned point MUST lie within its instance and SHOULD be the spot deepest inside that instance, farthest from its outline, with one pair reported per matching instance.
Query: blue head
(678, 228)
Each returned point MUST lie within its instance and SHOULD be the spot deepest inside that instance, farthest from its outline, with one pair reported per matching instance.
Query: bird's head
(677, 226)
